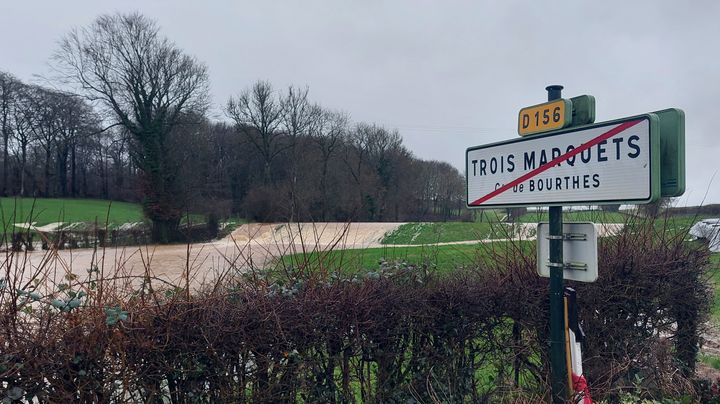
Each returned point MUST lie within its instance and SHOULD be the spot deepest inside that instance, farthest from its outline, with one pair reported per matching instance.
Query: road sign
(606, 163)
(579, 251)
(545, 117)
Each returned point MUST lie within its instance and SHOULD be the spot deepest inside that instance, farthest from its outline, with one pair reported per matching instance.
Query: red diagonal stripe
(607, 135)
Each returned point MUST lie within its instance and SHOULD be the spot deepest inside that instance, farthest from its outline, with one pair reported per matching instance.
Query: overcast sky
(448, 75)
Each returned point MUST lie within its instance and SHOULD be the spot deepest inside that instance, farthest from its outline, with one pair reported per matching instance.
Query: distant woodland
(131, 124)
(277, 156)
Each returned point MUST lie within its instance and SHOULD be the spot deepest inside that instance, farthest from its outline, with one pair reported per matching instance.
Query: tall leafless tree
(46, 105)
(24, 119)
(257, 114)
(371, 157)
(296, 120)
(327, 131)
(75, 119)
(146, 84)
(9, 87)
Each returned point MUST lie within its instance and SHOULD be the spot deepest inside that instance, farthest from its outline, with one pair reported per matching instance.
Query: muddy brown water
(249, 246)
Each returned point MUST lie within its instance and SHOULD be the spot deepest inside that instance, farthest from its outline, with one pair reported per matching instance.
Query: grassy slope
(595, 216)
(489, 227)
(442, 258)
(429, 233)
(714, 361)
(715, 276)
(44, 211)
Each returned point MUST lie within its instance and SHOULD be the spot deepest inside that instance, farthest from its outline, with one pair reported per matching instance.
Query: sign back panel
(672, 151)
(579, 251)
(606, 163)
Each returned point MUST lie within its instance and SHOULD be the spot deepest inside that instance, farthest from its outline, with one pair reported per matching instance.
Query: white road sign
(606, 163)
(579, 251)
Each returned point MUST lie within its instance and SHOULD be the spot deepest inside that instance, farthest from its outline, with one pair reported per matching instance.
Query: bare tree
(450, 190)
(118, 152)
(45, 127)
(24, 119)
(296, 118)
(258, 115)
(146, 84)
(75, 118)
(9, 87)
(370, 157)
(297, 112)
(327, 131)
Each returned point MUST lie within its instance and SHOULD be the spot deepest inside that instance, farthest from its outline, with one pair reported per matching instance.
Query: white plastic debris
(708, 229)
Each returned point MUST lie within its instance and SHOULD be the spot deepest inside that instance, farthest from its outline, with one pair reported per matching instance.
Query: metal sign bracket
(575, 236)
(568, 237)
(569, 266)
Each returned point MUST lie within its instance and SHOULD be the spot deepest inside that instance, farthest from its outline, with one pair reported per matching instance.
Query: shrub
(400, 333)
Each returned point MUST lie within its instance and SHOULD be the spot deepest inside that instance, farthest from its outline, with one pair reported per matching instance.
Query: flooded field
(249, 246)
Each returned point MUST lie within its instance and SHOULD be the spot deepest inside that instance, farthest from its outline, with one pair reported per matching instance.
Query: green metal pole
(558, 366)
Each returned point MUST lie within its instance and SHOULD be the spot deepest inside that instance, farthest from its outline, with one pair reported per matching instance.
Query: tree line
(131, 124)
(54, 145)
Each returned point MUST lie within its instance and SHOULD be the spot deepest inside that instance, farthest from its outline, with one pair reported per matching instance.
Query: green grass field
(443, 258)
(44, 211)
(488, 226)
(715, 278)
(596, 216)
(443, 232)
(712, 361)
(680, 222)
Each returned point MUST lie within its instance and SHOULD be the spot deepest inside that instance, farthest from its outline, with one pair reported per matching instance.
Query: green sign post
(558, 363)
